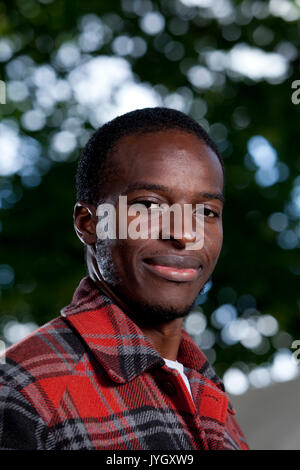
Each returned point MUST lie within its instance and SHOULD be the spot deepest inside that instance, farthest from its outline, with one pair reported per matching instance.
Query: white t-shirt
(178, 366)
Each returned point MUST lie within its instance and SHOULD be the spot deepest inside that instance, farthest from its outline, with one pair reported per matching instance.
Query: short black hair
(93, 167)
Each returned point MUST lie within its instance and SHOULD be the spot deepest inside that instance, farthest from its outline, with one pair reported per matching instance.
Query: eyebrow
(217, 195)
(160, 187)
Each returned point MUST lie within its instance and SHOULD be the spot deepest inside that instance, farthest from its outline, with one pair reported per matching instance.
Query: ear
(85, 221)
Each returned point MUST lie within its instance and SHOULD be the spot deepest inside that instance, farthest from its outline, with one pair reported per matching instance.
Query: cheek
(116, 260)
(213, 240)
(106, 262)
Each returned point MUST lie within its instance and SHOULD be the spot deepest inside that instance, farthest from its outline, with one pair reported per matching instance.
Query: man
(117, 370)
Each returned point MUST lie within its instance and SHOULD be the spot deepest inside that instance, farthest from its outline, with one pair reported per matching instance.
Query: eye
(151, 205)
(148, 204)
(207, 213)
(210, 213)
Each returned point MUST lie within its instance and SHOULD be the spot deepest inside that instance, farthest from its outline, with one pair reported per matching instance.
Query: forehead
(179, 157)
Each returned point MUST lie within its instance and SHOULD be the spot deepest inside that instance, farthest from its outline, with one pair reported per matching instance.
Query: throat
(165, 338)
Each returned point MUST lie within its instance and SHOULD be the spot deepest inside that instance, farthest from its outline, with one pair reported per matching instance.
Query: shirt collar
(118, 343)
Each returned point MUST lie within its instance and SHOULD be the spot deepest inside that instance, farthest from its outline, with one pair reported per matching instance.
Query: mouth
(174, 268)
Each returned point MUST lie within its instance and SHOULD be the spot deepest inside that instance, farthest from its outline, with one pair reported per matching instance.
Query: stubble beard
(142, 313)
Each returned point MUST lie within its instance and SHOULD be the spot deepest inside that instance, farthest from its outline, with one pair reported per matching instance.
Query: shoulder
(51, 351)
(34, 375)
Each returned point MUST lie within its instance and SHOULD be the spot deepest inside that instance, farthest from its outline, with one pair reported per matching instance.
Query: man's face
(160, 278)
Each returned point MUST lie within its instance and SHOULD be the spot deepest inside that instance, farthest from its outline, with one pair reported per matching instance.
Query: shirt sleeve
(21, 428)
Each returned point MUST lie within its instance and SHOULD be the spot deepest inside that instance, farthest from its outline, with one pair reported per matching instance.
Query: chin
(151, 314)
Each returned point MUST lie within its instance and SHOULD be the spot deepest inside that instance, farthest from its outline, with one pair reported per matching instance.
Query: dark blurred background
(69, 66)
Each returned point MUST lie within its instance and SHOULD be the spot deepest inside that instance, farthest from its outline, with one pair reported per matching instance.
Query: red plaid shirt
(91, 379)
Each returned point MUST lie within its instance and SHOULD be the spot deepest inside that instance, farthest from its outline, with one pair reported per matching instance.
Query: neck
(165, 338)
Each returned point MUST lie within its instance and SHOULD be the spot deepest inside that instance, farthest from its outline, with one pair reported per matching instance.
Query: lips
(174, 267)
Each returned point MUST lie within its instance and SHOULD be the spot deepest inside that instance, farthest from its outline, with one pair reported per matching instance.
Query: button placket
(171, 383)
(168, 387)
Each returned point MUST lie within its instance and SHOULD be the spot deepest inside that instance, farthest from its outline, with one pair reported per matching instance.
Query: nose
(179, 225)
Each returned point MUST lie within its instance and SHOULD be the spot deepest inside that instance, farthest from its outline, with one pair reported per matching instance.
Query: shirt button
(168, 387)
